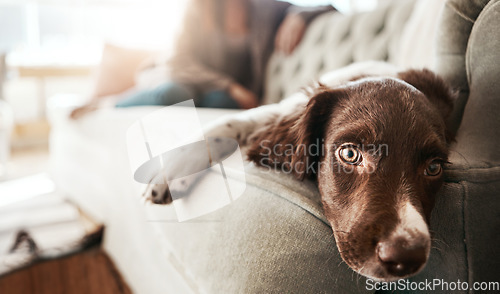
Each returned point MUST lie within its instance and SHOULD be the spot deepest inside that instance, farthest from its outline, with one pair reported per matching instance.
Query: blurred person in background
(221, 55)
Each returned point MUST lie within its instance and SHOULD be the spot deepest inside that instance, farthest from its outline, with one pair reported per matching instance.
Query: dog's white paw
(157, 193)
(184, 168)
(162, 193)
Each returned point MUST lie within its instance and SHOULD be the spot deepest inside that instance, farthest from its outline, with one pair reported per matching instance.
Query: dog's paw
(182, 187)
(158, 194)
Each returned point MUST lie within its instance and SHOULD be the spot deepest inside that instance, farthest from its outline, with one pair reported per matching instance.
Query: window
(61, 30)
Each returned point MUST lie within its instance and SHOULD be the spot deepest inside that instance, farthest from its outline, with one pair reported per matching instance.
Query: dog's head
(380, 146)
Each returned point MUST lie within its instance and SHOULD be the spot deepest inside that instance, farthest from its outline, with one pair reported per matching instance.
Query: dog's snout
(400, 258)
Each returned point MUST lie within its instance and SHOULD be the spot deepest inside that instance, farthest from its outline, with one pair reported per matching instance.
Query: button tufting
(321, 66)
(281, 93)
(298, 67)
(277, 69)
(320, 38)
(346, 35)
(380, 29)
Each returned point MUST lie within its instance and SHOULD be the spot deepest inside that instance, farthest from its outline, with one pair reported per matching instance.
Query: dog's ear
(309, 130)
(294, 142)
(434, 87)
(439, 93)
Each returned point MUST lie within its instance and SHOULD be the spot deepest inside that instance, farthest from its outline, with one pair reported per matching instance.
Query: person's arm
(294, 25)
(187, 70)
(184, 65)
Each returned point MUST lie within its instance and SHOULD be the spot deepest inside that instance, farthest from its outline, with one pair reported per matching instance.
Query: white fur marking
(410, 220)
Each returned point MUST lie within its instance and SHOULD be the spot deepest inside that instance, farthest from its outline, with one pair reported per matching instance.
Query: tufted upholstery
(333, 41)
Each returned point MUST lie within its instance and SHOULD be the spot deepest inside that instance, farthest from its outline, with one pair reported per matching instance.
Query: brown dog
(376, 147)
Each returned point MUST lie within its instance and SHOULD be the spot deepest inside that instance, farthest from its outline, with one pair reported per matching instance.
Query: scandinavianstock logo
(168, 147)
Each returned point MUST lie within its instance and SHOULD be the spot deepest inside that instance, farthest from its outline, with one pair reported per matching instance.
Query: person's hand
(83, 110)
(245, 98)
(290, 33)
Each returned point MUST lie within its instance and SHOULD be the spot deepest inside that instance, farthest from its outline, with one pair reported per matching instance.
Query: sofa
(275, 238)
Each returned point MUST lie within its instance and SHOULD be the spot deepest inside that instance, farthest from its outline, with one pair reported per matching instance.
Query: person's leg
(165, 94)
(218, 99)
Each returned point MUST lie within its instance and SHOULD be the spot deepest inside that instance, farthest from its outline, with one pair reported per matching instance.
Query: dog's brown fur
(362, 207)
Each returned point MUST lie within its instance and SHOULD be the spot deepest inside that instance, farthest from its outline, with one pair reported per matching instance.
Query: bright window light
(25, 188)
(73, 32)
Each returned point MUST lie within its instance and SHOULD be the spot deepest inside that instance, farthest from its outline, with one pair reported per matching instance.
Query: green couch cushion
(457, 20)
(273, 239)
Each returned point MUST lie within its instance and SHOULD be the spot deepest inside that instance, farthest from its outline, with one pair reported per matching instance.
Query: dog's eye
(350, 154)
(433, 169)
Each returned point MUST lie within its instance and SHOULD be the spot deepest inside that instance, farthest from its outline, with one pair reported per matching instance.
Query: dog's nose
(400, 258)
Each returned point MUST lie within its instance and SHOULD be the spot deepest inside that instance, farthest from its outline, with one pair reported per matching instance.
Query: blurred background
(50, 50)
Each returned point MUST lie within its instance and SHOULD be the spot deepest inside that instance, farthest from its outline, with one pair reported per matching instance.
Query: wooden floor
(90, 271)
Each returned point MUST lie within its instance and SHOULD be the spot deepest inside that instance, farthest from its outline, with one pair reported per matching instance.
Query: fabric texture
(478, 138)
(273, 239)
(42, 228)
(418, 39)
(478, 135)
(453, 34)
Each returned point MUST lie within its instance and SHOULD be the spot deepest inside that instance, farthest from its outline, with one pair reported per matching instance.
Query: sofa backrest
(334, 40)
(458, 19)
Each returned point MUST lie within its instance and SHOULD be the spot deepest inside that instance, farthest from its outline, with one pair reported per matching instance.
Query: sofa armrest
(468, 58)
(479, 134)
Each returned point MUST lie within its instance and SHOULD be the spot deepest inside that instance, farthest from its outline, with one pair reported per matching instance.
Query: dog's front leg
(239, 127)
